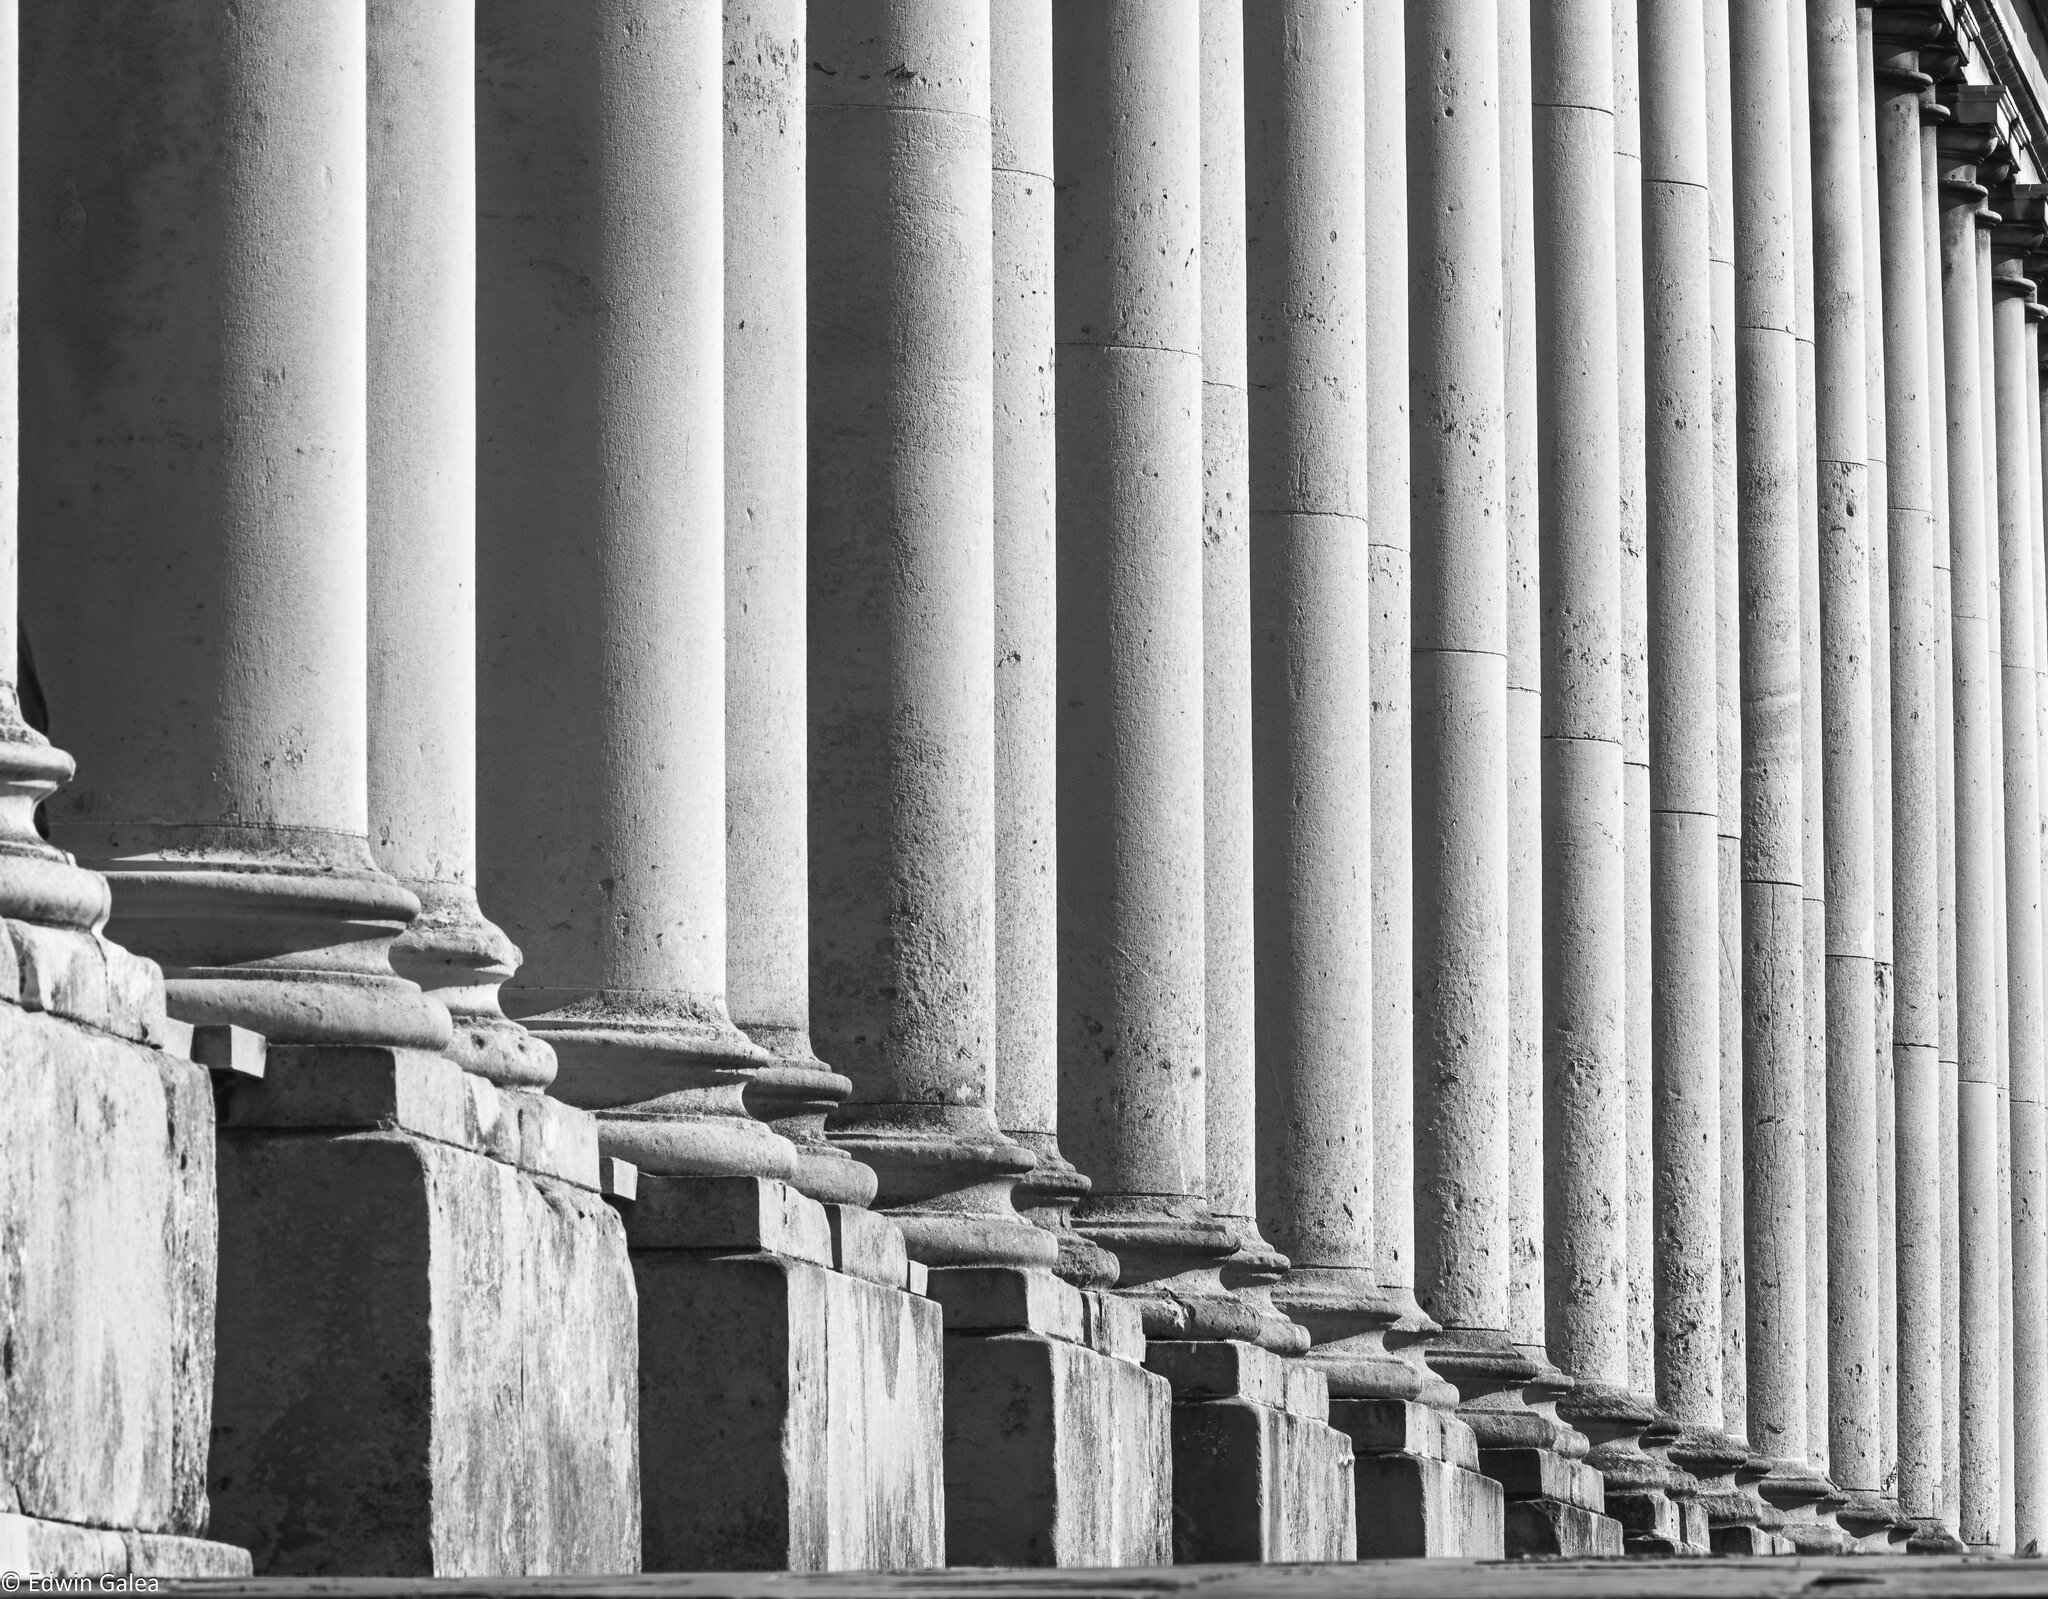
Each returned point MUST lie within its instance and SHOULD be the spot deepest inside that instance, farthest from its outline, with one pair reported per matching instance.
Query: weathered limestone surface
(1058, 1440)
(427, 1349)
(791, 1379)
(1258, 1472)
(107, 1263)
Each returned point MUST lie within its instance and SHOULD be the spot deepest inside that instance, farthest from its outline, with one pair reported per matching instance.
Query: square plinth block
(428, 1362)
(1420, 1490)
(1259, 1474)
(1059, 1443)
(792, 1409)
(107, 1251)
(1555, 1506)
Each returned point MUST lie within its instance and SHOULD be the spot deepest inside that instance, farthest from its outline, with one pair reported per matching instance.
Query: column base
(107, 1294)
(790, 1383)
(428, 1354)
(1420, 1491)
(1749, 1539)
(1059, 1443)
(1555, 1506)
(64, 1549)
(1258, 1472)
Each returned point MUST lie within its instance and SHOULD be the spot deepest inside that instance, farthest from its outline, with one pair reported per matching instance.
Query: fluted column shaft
(1128, 145)
(2026, 1367)
(194, 499)
(1305, 91)
(1774, 1040)
(1683, 730)
(902, 625)
(1585, 1063)
(1027, 631)
(602, 719)
(767, 845)
(422, 522)
(1850, 1211)
(1978, 841)
(1457, 437)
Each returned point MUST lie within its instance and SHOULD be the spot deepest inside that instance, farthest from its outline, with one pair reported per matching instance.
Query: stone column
(1728, 698)
(1230, 1048)
(2029, 1092)
(1852, 1327)
(602, 720)
(1305, 88)
(1949, 1310)
(422, 520)
(767, 856)
(1460, 700)
(1027, 1098)
(902, 625)
(1684, 753)
(2017, 396)
(210, 461)
(1585, 1063)
(1387, 532)
(1131, 779)
(1877, 490)
(1977, 840)
(1774, 1023)
(1633, 469)
(1524, 1103)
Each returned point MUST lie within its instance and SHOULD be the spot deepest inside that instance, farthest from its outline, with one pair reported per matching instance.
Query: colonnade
(1353, 681)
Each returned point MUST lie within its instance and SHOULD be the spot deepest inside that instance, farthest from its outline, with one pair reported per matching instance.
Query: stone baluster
(422, 521)
(602, 718)
(1849, 1213)
(1774, 1025)
(902, 692)
(1305, 85)
(1027, 632)
(767, 855)
(2017, 381)
(1977, 840)
(1126, 122)
(1230, 1047)
(1683, 730)
(1585, 1063)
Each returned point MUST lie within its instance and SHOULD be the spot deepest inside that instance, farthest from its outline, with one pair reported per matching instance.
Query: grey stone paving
(1859, 1578)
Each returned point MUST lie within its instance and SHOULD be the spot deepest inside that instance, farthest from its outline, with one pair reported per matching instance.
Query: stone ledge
(764, 1215)
(1545, 1474)
(1404, 1426)
(867, 1246)
(81, 977)
(65, 1549)
(331, 1088)
(1228, 1369)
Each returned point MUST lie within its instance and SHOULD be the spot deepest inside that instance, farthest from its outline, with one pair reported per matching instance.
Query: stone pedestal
(106, 1170)
(789, 1383)
(1058, 1441)
(1555, 1505)
(426, 1337)
(1420, 1491)
(1259, 1474)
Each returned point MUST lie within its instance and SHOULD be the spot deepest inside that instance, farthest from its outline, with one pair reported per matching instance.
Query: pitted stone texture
(427, 1363)
(1258, 1473)
(790, 1414)
(1056, 1455)
(1420, 1490)
(61, 1549)
(107, 1253)
(730, 1215)
(1552, 1527)
(344, 1089)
